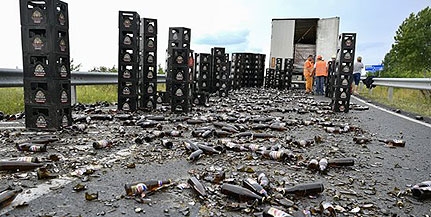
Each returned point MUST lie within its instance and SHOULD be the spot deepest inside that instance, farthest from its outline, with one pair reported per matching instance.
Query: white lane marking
(393, 113)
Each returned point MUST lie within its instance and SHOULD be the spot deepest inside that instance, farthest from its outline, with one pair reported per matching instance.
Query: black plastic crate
(180, 89)
(180, 34)
(149, 102)
(218, 51)
(179, 74)
(200, 98)
(150, 27)
(343, 80)
(150, 58)
(161, 98)
(128, 72)
(149, 74)
(127, 88)
(44, 13)
(47, 117)
(148, 88)
(48, 92)
(341, 105)
(129, 39)
(127, 104)
(348, 40)
(150, 43)
(42, 67)
(128, 20)
(342, 93)
(44, 41)
(128, 56)
(180, 105)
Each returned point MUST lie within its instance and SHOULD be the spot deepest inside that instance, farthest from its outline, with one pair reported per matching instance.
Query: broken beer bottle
(304, 189)
(393, 142)
(197, 186)
(31, 147)
(138, 188)
(7, 196)
(240, 193)
(255, 186)
(18, 165)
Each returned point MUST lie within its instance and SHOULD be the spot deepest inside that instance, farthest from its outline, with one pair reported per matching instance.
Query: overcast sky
(237, 25)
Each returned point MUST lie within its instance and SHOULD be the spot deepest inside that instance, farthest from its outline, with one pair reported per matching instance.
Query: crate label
(150, 89)
(61, 19)
(179, 92)
(127, 23)
(150, 43)
(39, 70)
(40, 97)
(65, 121)
(179, 76)
(63, 71)
(126, 106)
(126, 74)
(150, 104)
(62, 45)
(150, 59)
(37, 43)
(150, 28)
(127, 58)
(150, 75)
(64, 97)
(37, 16)
(127, 40)
(126, 90)
(41, 122)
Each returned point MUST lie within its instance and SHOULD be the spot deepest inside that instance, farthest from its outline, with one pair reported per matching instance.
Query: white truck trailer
(299, 37)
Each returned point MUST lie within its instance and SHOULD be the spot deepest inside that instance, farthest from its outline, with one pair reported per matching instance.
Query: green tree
(160, 69)
(410, 55)
(74, 67)
(104, 69)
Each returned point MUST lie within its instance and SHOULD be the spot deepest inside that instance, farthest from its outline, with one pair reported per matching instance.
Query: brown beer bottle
(240, 193)
(18, 165)
(254, 186)
(394, 142)
(340, 162)
(145, 186)
(305, 189)
(102, 144)
(197, 186)
(274, 212)
(7, 196)
(31, 147)
(190, 145)
(361, 140)
(195, 155)
(263, 180)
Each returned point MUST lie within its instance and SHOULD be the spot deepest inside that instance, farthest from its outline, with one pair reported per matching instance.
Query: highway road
(377, 185)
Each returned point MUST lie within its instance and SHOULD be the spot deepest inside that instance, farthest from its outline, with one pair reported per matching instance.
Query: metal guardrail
(14, 78)
(409, 83)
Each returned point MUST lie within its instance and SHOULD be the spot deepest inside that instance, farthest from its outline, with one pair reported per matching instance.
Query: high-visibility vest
(321, 69)
(308, 67)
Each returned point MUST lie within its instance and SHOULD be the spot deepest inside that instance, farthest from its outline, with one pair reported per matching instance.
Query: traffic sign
(373, 68)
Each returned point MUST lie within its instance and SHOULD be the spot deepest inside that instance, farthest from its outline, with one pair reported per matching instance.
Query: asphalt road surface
(377, 185)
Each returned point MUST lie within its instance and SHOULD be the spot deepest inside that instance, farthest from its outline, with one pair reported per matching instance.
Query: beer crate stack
(259, 69)
(225, 80)
(202, 78)
(287, 73)
(330, 80)
(344, 72)
(46, 63)
(236, 70)
(128, 60)
(148, 78)
(179, 72)
(279, 74)
(218, 57)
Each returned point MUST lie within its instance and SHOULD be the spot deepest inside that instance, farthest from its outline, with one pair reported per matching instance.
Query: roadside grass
(96, 93)
(12, 98)
(408, 100)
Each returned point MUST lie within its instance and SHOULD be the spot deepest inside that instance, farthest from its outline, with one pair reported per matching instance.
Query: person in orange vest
(321, 71)
(308, 74)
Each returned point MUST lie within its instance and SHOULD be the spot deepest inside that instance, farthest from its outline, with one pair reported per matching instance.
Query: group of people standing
(318, 71)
